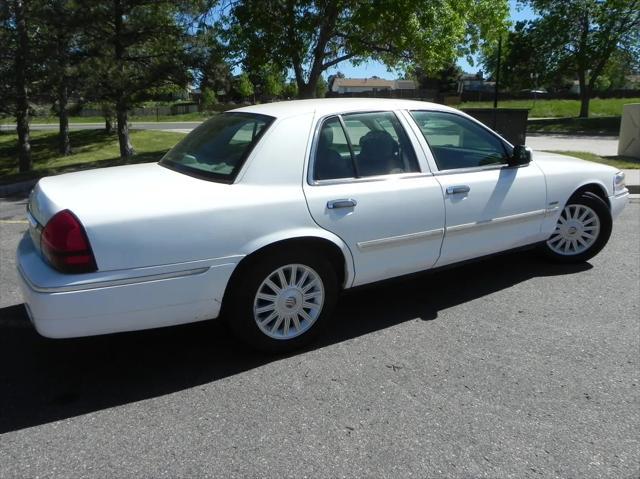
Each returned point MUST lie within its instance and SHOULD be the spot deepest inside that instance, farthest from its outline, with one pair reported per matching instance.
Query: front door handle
(342, 203)
(454, 190)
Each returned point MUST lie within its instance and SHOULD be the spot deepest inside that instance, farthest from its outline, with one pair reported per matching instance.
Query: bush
(208, 99)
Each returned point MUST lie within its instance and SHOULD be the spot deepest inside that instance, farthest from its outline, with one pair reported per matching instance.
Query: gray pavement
(510, 367)
(599, 145)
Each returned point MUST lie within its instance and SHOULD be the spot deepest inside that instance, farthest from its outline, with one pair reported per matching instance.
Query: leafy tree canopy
(310, 36)
(581, 36)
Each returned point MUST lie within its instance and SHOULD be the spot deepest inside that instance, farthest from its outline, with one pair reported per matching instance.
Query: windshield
(217, 149)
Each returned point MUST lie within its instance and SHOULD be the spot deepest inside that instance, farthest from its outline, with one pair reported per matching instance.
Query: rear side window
(363, 144)
(217, 149)
(457, 142)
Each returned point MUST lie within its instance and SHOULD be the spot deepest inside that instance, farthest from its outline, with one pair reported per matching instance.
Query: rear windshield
(217, 149)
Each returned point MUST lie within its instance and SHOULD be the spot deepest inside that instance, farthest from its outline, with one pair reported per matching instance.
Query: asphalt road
(509, 367)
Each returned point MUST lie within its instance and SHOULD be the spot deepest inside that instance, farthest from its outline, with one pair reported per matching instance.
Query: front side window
(363, 144)
(457, 142)
(217, 149)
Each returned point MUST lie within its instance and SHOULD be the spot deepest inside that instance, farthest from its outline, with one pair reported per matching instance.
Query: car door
(490, 206)
(365, 185)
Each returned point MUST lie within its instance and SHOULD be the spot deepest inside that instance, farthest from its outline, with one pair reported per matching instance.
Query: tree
(444, 80)
(581, 36)
(22, 95)
(208, 99)
(59, 23)
(290, 90)
(268, 79)
(311, 36)
(15, 72)
(518, 61)
(321, 88)
(274, 82)
(7, 60)
(621, 64)
(208, 57)
(134, 45)
(244, 86)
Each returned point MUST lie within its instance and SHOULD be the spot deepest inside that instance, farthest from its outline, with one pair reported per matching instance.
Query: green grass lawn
(196, 116)
(559, 108)
(91, 149)
(622, 162)
(604, 125)
(541, 108)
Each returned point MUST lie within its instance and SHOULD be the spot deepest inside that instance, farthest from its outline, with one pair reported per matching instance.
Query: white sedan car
(265, 213)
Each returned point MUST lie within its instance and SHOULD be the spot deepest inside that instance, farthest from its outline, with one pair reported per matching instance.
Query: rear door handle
(454, 190)
(342, 203)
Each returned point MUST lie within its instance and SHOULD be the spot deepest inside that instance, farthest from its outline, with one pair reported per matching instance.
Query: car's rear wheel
(282, 300)
(583, 229)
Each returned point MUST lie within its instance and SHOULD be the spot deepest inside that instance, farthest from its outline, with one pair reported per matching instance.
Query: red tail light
(65, 245)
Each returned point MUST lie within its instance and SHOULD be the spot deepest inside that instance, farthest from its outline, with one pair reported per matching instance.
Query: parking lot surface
(508, 367)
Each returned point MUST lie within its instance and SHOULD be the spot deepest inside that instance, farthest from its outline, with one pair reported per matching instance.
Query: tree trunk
(583, 65)
(585, 95)
(306, 90)
(122, 117)
(22, 98)
(108, 124)
(126, 148)
(63, 115)
(64, 144)
(584, 104)
(107, 112)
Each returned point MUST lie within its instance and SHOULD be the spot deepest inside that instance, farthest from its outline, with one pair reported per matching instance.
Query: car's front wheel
(583, 229)
(282, 301)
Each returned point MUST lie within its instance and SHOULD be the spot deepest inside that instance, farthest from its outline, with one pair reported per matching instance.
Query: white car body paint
(503, 209)
(166, 244)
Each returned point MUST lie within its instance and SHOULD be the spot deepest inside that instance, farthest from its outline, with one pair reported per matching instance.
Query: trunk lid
(127, 210)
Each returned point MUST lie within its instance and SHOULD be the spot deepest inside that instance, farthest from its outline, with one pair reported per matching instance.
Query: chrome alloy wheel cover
(288, 301)
(577, 229)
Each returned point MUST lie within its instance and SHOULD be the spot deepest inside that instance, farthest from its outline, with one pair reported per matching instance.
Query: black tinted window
(333, 156)
(457, 142)
(373, 144)
(217, 148)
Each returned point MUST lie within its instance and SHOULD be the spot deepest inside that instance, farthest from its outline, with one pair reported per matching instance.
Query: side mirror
(521, 156)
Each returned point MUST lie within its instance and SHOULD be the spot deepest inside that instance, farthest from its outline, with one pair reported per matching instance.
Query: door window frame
(407, 128)
(431, 157)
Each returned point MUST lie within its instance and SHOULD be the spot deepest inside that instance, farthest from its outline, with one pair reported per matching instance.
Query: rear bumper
(618, 202)
(64, 306)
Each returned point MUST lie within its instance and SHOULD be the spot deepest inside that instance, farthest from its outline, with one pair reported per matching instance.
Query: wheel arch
(335, 249)
(594, 187)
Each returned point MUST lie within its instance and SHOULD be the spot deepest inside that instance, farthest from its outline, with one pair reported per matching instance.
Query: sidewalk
(633, 182)
(599, 145)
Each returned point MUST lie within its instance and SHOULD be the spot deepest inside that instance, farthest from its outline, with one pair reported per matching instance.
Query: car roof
(328, 106)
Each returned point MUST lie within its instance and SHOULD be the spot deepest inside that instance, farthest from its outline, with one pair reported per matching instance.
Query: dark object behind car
(511, 123)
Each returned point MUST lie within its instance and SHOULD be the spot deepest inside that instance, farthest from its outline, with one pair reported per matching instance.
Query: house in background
(373, 84)
(474, 82)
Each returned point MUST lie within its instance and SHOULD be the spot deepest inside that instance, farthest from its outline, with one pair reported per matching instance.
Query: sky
(369, 69)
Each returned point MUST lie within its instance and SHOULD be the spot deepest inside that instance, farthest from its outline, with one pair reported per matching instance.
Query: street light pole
(495, 92)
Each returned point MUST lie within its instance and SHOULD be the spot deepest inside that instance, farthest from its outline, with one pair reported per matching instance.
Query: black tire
(600, 208)
(239, 314)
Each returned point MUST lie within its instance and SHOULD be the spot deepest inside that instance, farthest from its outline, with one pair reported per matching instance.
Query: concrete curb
(17, 188)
